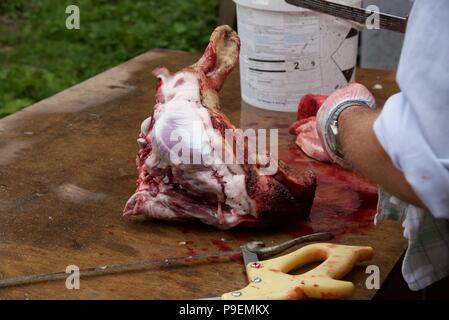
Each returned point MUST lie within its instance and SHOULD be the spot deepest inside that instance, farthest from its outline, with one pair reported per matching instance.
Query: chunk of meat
(305, 127)
(309, 105)
(216, 192)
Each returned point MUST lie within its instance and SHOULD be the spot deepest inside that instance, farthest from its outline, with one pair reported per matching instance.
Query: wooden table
(67, 168)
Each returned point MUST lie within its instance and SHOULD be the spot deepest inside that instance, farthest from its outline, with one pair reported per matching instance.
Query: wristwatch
(331, 132)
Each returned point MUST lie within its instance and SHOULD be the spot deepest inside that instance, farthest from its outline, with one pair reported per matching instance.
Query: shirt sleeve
(413, 127)
(400, 134)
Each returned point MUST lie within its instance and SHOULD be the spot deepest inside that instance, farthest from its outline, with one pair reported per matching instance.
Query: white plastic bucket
(287, 51)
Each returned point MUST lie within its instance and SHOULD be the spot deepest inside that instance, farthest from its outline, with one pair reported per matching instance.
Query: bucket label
(281, 58)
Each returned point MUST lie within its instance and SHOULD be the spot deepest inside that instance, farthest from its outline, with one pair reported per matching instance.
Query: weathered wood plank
(67, 168)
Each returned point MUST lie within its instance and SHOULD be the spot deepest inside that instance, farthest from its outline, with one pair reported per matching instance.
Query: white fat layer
(199, 181)
(182, 110)
(159, 207)
(145, 126)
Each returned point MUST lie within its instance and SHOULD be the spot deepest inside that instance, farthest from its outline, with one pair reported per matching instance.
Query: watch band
(331, 130)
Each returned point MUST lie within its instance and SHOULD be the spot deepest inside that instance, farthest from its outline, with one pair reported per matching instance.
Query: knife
(250, 251)
(386, 21)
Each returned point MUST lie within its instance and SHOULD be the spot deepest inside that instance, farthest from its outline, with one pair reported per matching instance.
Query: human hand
(305, 127)
(317, 113)
(354, 94)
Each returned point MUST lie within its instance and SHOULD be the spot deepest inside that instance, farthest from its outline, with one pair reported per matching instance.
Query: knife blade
(359, 15)
(114, 268)
(255, 249)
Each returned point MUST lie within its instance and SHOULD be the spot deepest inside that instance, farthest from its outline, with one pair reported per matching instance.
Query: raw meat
(219, 194)
(305, 128)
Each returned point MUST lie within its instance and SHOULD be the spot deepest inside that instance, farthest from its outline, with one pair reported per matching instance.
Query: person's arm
(364, 153)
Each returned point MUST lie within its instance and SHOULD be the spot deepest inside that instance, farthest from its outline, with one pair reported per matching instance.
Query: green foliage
(44, 57)
(11, 6)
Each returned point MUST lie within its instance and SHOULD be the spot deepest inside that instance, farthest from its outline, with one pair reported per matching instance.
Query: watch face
(334, 127)
(332, 133)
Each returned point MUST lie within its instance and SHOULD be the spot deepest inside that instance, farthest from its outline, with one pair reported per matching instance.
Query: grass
(39, 56)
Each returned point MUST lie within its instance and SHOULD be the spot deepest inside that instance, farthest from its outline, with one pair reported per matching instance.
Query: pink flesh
(309, 141)
(305, 128)
(309, 105)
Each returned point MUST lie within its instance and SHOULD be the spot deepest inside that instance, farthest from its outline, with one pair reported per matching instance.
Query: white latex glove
(354, 94)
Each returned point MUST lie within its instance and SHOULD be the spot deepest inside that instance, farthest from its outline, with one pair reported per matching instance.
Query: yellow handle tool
(269, 279)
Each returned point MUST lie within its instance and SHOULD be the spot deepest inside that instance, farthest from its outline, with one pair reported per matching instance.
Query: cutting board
(67, 167)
